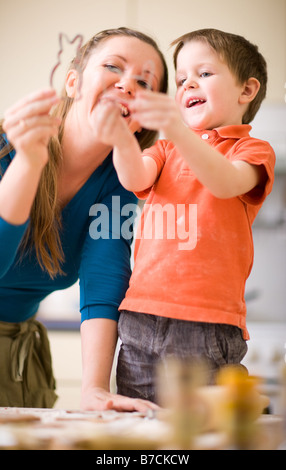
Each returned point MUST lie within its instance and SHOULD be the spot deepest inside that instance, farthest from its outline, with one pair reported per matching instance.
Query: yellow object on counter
(241, 407)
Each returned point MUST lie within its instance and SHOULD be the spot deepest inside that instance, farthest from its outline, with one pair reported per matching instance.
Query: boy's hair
(243, 59)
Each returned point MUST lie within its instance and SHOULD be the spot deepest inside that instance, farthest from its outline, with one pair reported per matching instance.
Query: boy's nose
(190, 83)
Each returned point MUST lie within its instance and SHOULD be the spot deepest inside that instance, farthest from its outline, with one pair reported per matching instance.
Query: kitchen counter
(46, 429)
(51, 429)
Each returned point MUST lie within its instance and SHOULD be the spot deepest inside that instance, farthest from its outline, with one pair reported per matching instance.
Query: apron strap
(29, 363)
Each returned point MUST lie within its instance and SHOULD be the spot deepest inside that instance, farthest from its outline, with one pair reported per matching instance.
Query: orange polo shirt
(193, 251)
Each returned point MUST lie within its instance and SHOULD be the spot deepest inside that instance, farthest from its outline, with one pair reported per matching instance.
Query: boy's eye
(206, 74)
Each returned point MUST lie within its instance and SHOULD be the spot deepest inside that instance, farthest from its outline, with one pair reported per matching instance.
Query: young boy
(204, 185)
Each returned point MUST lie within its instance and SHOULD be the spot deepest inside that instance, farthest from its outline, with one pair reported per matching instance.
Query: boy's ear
(250, 90)
(71, 83)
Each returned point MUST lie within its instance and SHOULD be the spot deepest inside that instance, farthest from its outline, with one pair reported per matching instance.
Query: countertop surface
(48, 429)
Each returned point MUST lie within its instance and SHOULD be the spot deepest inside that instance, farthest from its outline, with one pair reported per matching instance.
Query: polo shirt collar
(234, 132)
(228, 132)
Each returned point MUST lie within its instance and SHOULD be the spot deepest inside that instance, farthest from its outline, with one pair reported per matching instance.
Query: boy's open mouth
(192, 102)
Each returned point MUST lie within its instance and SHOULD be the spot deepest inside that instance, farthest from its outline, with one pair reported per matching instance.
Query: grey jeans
(148, 340)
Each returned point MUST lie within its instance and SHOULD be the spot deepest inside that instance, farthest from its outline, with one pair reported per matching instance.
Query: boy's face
(207, 91)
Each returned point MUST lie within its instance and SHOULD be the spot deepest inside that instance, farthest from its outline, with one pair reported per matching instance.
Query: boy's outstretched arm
(224, 179)
(136, 173)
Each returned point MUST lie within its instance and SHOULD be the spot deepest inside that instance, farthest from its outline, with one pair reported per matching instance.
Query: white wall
(29, 43)
(29, 32)
(28, 50)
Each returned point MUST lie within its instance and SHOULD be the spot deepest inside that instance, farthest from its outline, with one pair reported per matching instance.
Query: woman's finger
(29, 110)
(46, 124)
(31, 98)
(122, 403)
(38, 121)
(34, 136)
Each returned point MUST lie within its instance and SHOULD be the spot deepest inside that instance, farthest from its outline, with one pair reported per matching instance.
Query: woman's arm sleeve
(10, 235)
(105, 264)
(10, 239)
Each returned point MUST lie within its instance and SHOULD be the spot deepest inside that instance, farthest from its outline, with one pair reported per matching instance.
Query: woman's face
(116, 70)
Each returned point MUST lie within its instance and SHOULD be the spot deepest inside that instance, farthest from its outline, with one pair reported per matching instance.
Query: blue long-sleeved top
(95, 248)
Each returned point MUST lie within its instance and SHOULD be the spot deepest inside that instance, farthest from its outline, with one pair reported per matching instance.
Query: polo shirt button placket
(205, 137)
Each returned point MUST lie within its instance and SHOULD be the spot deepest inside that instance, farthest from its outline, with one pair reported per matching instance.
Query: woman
(54, 169)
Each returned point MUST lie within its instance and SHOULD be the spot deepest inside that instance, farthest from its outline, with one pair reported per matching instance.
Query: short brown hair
(242, 57)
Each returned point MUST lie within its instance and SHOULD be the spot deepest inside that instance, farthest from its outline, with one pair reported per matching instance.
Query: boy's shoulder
(254, 142)
(162, 148)
(242, 137)
(163, 144)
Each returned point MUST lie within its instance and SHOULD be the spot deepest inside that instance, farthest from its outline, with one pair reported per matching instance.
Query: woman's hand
(29, 126)
(101, 400)
(111, 128)
(99, 338)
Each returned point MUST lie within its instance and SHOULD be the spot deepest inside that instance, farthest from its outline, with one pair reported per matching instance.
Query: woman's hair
(242, 57)
(45, 221)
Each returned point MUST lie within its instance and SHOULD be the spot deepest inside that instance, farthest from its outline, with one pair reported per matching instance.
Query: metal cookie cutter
(79, 38)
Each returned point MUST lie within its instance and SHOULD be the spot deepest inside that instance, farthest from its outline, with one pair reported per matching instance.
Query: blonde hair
(43, 232)
(242, 57)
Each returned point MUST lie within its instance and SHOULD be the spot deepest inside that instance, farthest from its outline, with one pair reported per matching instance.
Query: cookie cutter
(148, 67)
(76, 61)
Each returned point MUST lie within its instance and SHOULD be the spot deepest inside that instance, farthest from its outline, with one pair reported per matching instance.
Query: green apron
(26, 376)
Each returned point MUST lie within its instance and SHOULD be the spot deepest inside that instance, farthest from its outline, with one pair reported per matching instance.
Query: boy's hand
(156, 111)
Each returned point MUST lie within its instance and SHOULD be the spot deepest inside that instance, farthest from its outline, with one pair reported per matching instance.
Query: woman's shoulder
(6, 148)
(7, 153)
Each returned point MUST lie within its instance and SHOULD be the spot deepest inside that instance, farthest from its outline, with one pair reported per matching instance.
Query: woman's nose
(127, 85)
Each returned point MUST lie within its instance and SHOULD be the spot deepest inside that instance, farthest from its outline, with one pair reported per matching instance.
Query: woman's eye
(181, 81)
(144, 84)
(113, 68)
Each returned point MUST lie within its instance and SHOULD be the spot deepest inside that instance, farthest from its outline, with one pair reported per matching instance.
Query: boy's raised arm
(224, 179)
(135, 173)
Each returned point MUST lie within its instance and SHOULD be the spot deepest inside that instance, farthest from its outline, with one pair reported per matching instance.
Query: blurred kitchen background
(28, 49)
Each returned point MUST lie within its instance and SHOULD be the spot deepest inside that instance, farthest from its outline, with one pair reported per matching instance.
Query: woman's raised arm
(28, 126)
